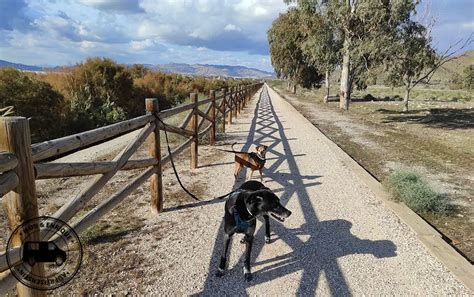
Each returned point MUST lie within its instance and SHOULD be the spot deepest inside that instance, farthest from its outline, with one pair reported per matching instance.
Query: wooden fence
(21, 163)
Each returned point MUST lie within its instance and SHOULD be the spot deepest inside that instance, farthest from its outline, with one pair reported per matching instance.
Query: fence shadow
(328, 240)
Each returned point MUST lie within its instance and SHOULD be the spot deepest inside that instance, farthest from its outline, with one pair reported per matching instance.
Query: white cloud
(88, 45)
(260, 11)
(232, 27)
(132, 29)
(119, 6)
(468, 25)
(147, 44)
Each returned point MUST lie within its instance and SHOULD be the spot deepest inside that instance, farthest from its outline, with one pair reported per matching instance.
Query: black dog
(252, 199)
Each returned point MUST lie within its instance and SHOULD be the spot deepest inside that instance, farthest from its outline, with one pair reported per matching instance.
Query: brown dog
(254, 160)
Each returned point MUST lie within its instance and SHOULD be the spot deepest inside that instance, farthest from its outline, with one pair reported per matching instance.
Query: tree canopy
(411, 58)
(361, 34)
(286, 38)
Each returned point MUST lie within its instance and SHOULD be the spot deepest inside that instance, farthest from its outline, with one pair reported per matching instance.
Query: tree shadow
(367, 98)
(445, 118)
(389, 111)
(327, 240)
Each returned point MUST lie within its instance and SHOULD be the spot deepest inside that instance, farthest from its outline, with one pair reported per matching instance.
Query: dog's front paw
(248, 276)
(267, 240)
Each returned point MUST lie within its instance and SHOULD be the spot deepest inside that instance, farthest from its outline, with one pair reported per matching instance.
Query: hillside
(4, 64)
(194, 69)
(446, 72)
(441, 78)
(213, 70)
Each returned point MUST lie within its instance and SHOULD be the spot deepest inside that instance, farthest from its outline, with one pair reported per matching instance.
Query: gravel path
(340, 239)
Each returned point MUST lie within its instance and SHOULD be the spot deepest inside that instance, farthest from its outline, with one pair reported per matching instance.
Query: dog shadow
(324, 243)
(314, 247)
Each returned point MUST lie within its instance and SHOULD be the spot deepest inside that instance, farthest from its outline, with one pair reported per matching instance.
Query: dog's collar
(257, 158)
(248, 210)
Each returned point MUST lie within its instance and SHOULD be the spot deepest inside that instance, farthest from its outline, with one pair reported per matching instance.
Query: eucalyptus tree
(322, 46)
(365, 28)
(412, 59)
(285, 38)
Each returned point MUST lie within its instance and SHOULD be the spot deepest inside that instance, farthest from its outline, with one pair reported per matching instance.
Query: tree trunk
(405, 100)
(344, 94)
(326, 98)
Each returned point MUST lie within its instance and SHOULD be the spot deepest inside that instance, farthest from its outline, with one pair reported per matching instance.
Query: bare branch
(447, 56)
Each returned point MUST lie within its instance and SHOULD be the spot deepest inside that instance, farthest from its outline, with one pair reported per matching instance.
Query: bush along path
(340, 239)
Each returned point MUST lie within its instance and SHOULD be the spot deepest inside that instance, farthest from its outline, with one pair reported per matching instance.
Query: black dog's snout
(282, 212)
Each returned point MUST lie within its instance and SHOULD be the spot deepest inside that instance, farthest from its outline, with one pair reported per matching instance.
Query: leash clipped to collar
(174, 167)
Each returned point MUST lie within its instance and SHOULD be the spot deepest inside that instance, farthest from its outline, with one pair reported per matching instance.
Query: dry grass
(434, 138)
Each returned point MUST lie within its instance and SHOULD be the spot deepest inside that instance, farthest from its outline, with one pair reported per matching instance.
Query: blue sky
(55, 32)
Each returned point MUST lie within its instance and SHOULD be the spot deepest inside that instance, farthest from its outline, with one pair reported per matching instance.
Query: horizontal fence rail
(21, 163)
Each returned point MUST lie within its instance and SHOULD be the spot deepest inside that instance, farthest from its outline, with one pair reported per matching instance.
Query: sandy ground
(340, 239)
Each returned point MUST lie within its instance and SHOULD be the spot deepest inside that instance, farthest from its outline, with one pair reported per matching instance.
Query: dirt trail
(340, 239)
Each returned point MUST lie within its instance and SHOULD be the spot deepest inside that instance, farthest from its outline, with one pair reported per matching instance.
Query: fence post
(154, 148)
(224, 104)
(21, 204)
(239, 106)
(230, 105)
(194, 128)
(245, 95)
(236, 103)
(212, 131)
(241, 97)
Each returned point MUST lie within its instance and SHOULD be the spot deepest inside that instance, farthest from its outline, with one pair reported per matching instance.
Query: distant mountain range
(4, 64)
(194, 69)
(213, 70)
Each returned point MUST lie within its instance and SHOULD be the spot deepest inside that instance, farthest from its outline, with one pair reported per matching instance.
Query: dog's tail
(230, 151)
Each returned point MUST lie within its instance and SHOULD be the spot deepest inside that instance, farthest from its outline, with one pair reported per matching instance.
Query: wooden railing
(22, 163)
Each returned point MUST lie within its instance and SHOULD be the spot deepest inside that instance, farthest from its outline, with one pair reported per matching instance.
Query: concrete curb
(430, 237)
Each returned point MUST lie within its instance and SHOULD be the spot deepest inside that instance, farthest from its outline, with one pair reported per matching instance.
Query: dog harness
(241, 225)
(257, 158)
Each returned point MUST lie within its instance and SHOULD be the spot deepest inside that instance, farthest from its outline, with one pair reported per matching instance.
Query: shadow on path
(313, 247)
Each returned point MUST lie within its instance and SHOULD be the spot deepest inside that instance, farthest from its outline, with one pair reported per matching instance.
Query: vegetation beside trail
(94, 93)
(433, 139)
(415, 192)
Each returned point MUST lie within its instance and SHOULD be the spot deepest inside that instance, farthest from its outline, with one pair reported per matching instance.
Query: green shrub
(94, 93)
(415, 192)
(469, 77)
(455, 82)
(35, 99)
